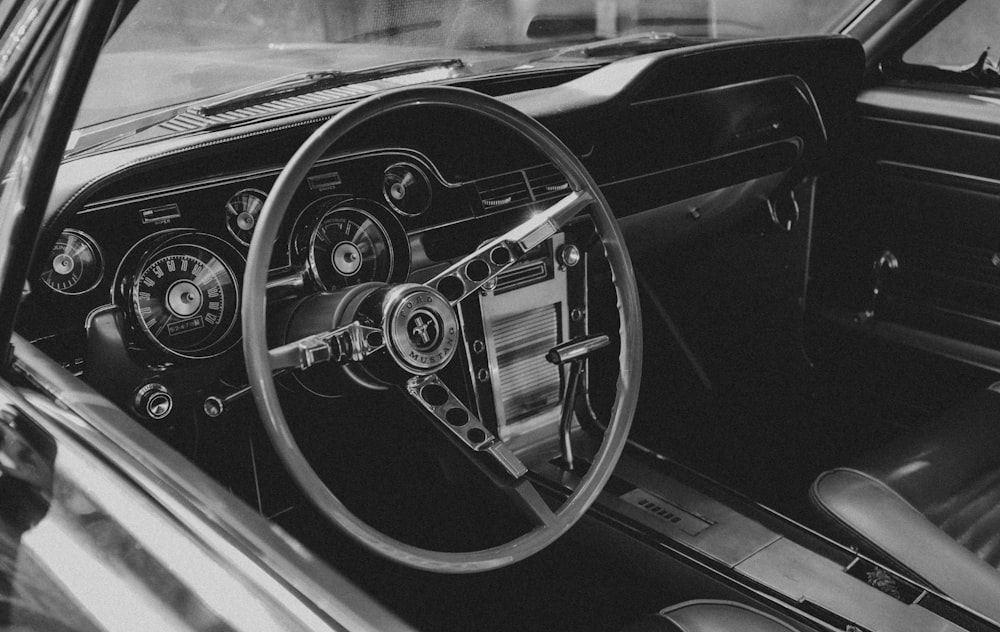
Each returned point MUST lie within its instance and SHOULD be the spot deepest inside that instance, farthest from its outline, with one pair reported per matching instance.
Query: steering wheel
(372, 324)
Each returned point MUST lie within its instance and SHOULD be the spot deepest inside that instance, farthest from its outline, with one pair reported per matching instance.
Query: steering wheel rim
(259, 365)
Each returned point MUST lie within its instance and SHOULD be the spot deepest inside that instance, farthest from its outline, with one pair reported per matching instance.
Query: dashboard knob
(569, 255)
(153, 401)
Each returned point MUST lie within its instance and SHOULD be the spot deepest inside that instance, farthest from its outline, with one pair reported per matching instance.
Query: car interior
(805, 228)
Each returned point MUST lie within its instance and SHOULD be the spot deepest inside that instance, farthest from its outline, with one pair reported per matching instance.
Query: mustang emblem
(424, 331)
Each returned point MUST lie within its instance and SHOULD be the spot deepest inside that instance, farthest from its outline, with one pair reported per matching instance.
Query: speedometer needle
(165, 323)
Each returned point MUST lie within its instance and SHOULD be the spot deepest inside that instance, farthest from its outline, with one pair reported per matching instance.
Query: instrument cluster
(172, 261)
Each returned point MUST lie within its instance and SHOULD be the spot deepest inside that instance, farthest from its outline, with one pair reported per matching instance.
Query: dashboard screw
(478, 346)
(577, 314)
(483, 375)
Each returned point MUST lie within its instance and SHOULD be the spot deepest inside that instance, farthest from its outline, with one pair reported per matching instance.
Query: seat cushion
(710, 616)
(931, 502)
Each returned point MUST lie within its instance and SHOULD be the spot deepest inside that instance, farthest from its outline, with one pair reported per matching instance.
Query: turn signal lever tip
(577, 349)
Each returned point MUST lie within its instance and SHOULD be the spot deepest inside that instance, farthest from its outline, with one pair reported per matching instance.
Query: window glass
(959, 40)
(170, 52)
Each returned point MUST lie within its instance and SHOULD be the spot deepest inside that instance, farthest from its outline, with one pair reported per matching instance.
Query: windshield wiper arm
(301, 83)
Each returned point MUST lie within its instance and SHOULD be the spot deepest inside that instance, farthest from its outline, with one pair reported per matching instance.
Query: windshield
(169, 52)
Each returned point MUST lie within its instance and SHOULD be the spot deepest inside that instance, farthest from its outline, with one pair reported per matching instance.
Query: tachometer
(185, 299)
(74, 265)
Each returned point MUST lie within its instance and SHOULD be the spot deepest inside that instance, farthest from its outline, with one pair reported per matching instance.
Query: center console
(682, 515)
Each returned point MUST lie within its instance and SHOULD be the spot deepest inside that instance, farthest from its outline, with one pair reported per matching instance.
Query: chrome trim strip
(941, 128)
(919, 169)
(796, 140)
(728, 86)
(260, 173)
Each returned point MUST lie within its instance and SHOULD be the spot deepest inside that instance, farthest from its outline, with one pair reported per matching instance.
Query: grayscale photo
(500, 315)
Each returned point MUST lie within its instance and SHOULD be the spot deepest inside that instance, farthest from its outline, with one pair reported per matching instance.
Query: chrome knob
(153, 401)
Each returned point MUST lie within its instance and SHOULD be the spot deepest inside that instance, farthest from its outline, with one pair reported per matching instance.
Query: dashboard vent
(546, 182)
(521, 188)
(502, 192)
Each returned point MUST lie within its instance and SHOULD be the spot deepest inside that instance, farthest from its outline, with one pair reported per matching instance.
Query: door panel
(921, 195)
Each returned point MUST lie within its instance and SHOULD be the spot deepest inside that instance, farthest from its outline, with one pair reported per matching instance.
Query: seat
(930, 502)
(710, 616)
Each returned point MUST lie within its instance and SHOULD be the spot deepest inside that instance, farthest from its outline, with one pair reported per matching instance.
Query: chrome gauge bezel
(226, 209)
(426, 183)
(312, 220)
(313, 264)
(215, 248)
(98, 256)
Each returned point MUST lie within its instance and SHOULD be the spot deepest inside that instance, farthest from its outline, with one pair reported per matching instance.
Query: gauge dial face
(406, 189)
(186, 301)
(349, 247)
(74, 265)
(242, 211)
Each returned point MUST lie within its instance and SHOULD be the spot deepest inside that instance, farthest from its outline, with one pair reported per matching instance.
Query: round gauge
(406, 189)
(348, 247)
(186, 300)
(74, 265)
(242, 211)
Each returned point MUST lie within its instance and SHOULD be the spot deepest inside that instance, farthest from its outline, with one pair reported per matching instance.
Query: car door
(904, 288)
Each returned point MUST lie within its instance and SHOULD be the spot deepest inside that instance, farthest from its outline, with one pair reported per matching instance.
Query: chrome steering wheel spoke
(476, 269)
(351, 343)
(435, 397)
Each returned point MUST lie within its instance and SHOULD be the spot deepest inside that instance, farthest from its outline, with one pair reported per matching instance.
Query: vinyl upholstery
(931, 502)
(710, 616)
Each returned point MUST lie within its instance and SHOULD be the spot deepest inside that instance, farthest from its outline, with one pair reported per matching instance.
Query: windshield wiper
(97, 135)
(300, 83)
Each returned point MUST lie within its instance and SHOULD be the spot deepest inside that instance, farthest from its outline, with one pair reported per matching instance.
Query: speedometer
(185, 299)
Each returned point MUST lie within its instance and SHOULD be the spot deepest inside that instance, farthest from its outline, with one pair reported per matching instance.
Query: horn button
(421, 329)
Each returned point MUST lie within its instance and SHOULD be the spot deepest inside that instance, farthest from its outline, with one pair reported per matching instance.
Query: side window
(957, 43)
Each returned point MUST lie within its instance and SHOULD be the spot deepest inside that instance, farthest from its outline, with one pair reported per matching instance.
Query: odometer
(185, 299)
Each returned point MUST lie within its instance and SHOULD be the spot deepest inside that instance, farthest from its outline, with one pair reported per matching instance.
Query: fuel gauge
(74, 265)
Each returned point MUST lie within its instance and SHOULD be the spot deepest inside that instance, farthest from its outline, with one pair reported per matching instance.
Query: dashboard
(174, 261)
(139, 287)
